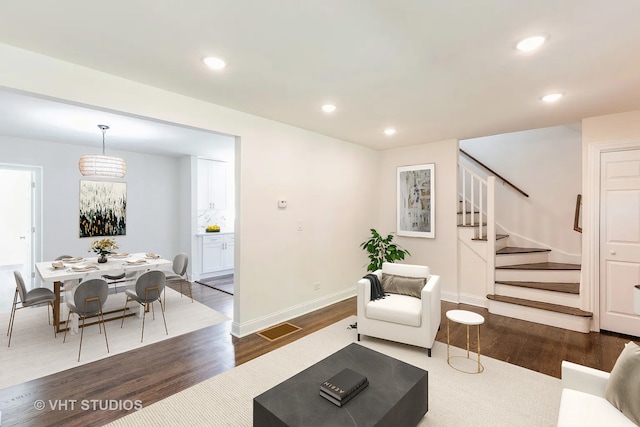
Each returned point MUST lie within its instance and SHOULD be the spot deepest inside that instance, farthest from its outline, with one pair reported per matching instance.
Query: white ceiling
(434, 70)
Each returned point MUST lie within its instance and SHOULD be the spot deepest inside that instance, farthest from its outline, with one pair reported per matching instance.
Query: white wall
(546, 164)
(152, 189)
(331, 187)
(439, 253)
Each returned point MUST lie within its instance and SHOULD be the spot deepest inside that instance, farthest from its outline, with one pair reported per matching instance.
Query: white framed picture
(103, 208)
(416, 201)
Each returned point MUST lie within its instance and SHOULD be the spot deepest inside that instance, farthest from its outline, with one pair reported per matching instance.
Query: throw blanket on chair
(376, 287)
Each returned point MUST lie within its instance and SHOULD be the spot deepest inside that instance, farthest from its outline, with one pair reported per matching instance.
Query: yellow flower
(104, 246)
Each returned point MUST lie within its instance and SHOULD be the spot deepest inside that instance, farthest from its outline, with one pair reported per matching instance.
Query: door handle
(22, 237)
(613, 252)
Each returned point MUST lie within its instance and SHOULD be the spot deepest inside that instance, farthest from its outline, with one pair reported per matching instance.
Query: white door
(16, 230)
(619, 240)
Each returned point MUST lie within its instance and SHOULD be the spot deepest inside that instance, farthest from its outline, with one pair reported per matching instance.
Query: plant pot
(102, 258)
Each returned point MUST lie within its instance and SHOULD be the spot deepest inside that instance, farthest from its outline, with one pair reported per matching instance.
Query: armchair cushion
(403, 285)
(394, 308)
(623, 387)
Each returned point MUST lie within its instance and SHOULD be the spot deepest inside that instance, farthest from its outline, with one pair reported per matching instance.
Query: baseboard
(197, 277)
(464, 299)
(256, 325)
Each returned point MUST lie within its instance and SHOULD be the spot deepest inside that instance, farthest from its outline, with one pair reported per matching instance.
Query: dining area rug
(35, 352)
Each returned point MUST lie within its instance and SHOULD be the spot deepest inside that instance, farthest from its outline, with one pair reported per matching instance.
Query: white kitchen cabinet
(217, 253)
(212, 184)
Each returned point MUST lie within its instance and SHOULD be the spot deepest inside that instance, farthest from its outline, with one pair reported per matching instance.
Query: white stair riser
(544, 317)
(526, 258)
(560, 276)
(562, 298)
(502, 243)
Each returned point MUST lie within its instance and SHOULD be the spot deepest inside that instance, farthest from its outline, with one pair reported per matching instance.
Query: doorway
(19, 228)
(619, 239)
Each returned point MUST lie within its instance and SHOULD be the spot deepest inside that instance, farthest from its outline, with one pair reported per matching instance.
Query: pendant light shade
(101, 165)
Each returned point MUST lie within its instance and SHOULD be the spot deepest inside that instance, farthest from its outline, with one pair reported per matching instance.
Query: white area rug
(34, 351)
(503, 395)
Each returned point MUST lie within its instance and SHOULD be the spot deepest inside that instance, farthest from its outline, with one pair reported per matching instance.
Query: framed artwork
(103, 208)
(416, 201)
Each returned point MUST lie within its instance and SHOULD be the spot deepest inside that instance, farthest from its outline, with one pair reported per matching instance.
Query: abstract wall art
(103, 208)
(416, 201)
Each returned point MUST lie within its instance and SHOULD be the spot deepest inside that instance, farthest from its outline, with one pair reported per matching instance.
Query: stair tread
(568, 288)
(541, 305)
(519, 250)
(541, 266)
(498, 237)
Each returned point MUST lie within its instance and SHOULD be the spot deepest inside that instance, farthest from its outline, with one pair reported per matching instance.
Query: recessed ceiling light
(531, 43)
(552, 97)
(389, 131)
(214, 63)
(328, 108)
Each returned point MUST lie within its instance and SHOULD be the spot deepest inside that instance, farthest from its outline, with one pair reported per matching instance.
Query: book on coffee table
(343, 386)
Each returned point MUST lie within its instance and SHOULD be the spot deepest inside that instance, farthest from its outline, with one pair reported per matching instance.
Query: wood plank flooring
(156, 371)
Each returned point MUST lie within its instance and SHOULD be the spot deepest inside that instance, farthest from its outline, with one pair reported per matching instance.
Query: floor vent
(279, 331)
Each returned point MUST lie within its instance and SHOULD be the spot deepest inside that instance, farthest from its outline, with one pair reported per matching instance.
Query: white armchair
(583, 401)
(401, 318)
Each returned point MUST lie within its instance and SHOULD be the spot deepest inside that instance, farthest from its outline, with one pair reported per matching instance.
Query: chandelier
(101, 165)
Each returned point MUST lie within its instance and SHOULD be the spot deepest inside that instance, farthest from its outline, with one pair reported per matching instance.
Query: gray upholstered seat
(88, 300)
(180, 263)
(148, 290)
(32, 298)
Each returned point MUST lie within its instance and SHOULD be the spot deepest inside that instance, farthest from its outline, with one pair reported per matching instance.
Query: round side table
(468, 318)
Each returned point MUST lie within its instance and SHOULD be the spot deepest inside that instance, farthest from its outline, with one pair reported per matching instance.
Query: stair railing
(478, 200)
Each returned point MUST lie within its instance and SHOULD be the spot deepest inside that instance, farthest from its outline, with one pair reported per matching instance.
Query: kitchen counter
(204, 233)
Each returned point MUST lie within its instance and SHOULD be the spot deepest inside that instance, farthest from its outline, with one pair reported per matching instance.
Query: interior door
(16, 230)
(619, 240)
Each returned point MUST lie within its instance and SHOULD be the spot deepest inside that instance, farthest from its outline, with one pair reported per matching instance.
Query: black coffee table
(397, 394)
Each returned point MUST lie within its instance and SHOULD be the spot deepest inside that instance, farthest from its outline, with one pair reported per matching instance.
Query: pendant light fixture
(101, 165)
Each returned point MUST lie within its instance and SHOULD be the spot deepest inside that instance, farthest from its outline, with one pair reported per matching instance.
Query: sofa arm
(584, 379)
(431, 303)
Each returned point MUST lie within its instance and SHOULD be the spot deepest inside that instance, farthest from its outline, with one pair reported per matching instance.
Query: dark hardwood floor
(151, 373)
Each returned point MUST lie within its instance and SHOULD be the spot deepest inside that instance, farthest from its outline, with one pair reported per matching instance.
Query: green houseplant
(382, 249)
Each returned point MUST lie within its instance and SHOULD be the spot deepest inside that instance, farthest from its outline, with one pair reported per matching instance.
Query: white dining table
(137, 262)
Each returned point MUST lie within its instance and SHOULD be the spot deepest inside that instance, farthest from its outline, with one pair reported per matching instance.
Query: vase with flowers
(103, 247)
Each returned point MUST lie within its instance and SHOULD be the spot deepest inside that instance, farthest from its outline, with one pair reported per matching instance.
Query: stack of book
(343, 386)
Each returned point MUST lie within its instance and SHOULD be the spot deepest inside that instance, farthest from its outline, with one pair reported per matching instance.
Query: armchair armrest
(584, 379)
(363, 291)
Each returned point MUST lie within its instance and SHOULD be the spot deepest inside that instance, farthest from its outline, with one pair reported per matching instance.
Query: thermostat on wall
(282, 203)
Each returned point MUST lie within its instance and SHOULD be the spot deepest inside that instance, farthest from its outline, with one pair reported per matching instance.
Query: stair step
(515, 250)
(569, 288)
(541, 266)
(542, 305)
(498, 237)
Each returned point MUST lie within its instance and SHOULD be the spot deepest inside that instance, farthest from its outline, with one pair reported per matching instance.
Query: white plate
(119, 255)
(72, 260)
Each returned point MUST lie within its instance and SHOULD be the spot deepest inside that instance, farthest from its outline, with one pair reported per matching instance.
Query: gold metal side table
(468, 318)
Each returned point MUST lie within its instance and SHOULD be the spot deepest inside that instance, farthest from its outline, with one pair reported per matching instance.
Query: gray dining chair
(180, 263)
(32, 298)
(149, 287)
(115, 279)
(88, 301)
(61, 257)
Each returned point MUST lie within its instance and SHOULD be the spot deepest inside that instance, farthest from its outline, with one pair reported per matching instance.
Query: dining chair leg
(144, 315)
(67, 327)
(12, 318)
(55, 333)
(104, 326)
(124, 311)
(81, 336)
(164, 320)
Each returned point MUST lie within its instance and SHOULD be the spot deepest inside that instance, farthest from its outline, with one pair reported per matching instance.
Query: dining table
(69, 271)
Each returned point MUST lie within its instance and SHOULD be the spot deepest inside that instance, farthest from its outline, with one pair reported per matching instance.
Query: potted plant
(382, 249)
(103, 247)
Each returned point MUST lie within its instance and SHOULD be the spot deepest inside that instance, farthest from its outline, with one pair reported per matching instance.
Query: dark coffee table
(397, 394)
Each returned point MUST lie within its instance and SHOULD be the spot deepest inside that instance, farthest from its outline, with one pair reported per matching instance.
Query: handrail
(576, 219)
(494, 173)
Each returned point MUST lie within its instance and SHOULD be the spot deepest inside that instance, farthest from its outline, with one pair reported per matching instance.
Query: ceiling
(433, 70)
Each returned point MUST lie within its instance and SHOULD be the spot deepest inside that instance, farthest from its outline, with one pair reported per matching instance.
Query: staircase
(523, 284)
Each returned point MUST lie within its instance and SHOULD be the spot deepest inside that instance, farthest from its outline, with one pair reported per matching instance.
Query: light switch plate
(282, 204)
